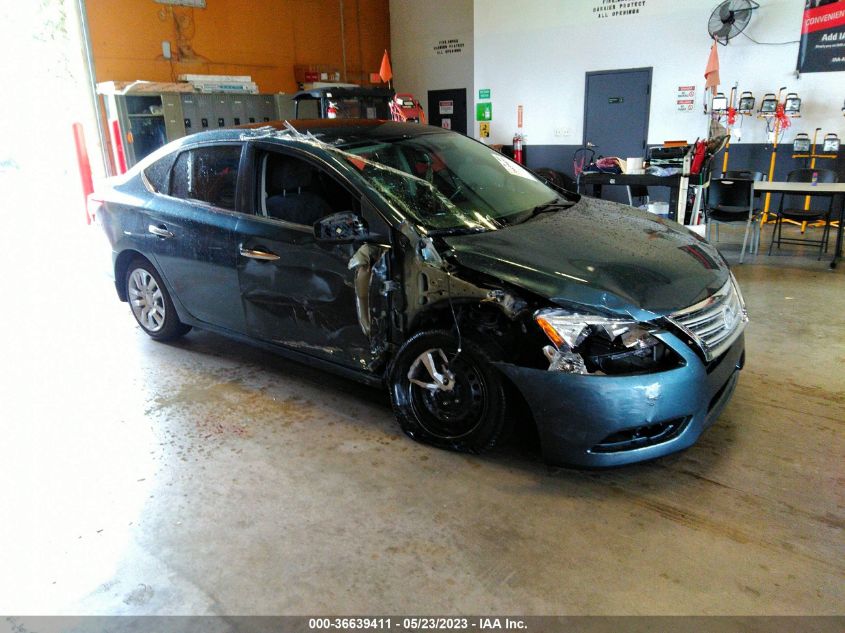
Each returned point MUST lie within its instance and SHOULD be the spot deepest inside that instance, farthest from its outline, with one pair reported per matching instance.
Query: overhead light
(830, 145)
(769, 104)
(801, 144)
(792, 104)
(746, 103)
(720, 102)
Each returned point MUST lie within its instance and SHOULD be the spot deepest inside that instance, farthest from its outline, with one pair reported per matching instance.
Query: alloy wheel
(146, 300)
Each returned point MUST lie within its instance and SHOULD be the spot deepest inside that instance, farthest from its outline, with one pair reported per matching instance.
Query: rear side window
(158, 174)
(207, 174)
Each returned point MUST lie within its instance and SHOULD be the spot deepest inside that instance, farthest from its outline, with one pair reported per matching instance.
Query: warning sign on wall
(446, 124)
(446, 107)
(685, 98)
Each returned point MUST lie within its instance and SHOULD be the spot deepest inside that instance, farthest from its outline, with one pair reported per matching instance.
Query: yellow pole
(812, 166)
(728, 144)
(771, 171)
(772, 163)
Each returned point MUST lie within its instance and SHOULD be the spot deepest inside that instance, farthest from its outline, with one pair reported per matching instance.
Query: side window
(207, 174)
(158, 174)
(296, 191)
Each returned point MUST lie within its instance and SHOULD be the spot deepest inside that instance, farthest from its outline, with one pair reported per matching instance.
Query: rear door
(191, 233)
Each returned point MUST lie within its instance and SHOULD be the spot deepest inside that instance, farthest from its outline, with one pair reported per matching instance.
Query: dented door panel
(305, 299)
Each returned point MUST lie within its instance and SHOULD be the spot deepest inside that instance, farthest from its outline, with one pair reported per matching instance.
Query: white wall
(416, 26)
(536, 53)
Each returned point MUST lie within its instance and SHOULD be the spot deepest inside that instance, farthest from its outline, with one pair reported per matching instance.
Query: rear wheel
(445, 398)
(150, 303)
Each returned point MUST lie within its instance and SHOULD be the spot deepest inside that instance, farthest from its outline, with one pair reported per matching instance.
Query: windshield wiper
(556, 205)
(547, 207)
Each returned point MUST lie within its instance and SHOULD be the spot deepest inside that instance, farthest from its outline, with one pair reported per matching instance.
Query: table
(674, 183)
(810, 189)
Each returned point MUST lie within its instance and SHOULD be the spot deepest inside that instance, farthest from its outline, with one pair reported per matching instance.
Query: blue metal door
(616, 110)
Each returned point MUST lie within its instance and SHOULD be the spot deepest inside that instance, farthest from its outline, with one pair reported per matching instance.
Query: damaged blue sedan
(413, 257)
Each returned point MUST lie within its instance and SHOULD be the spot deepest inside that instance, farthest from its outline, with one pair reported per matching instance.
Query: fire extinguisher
(331, 110)
(517, 148)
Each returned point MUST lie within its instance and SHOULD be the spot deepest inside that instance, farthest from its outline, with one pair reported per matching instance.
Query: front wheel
(150, 303)
(445, 398)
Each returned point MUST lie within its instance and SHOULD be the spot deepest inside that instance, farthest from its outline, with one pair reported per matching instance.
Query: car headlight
(590, 344)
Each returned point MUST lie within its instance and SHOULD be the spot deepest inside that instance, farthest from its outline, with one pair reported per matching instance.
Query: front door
(298, 292)
(448, 109)
(616, 116)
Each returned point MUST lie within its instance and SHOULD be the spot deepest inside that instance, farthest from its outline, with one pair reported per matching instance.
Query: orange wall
(261, 38)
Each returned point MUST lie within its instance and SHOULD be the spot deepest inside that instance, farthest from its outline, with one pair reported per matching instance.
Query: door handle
(159, 230)
(265, 256)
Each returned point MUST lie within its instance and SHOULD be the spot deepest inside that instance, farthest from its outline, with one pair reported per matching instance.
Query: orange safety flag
(711, 73)
(385, 72)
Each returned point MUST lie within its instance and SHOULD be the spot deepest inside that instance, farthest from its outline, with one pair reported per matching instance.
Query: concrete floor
(207, 477)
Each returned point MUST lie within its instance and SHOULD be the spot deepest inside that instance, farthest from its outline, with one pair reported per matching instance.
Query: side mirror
(340, 228)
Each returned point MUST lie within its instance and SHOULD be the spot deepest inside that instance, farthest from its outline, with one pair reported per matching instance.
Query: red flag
(385, 72)
(711, 73)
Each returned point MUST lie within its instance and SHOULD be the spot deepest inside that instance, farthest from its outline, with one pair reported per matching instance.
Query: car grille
(715, 323)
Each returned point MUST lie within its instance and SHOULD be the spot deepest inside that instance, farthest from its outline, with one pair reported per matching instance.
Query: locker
(174, 121)
(222, 116)
(238, 105)
(267, 109)
(284, 106)
(148, 121)
(190, 113)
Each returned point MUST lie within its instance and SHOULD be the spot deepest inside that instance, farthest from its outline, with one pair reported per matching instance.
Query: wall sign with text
(617, 8)
(822, 37)
(449, 47)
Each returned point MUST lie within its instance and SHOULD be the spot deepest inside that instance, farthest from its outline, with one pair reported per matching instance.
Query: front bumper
(601, 421)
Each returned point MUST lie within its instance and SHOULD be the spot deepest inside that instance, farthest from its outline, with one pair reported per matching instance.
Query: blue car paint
(573, 412)
(576, 412)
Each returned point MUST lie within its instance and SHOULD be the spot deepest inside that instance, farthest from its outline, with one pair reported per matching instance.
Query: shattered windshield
(447, 182)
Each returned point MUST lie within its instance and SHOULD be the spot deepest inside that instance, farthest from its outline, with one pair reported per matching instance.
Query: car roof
(342, 91)
(328, 130)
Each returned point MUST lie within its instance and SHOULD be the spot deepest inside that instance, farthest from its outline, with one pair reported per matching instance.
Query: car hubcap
(146, 300)
(448, 397)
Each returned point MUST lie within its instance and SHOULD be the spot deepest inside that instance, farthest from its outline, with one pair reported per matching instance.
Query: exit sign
(484, 93)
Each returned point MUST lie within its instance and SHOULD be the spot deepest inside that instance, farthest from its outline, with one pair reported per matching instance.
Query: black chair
(291, 192)
(732, 202)
(791, 207)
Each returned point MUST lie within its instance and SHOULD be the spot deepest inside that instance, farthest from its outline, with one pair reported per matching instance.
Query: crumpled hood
(599, 254)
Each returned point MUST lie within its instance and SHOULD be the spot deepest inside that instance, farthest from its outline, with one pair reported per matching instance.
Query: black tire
(472, 416)
(169, 326)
